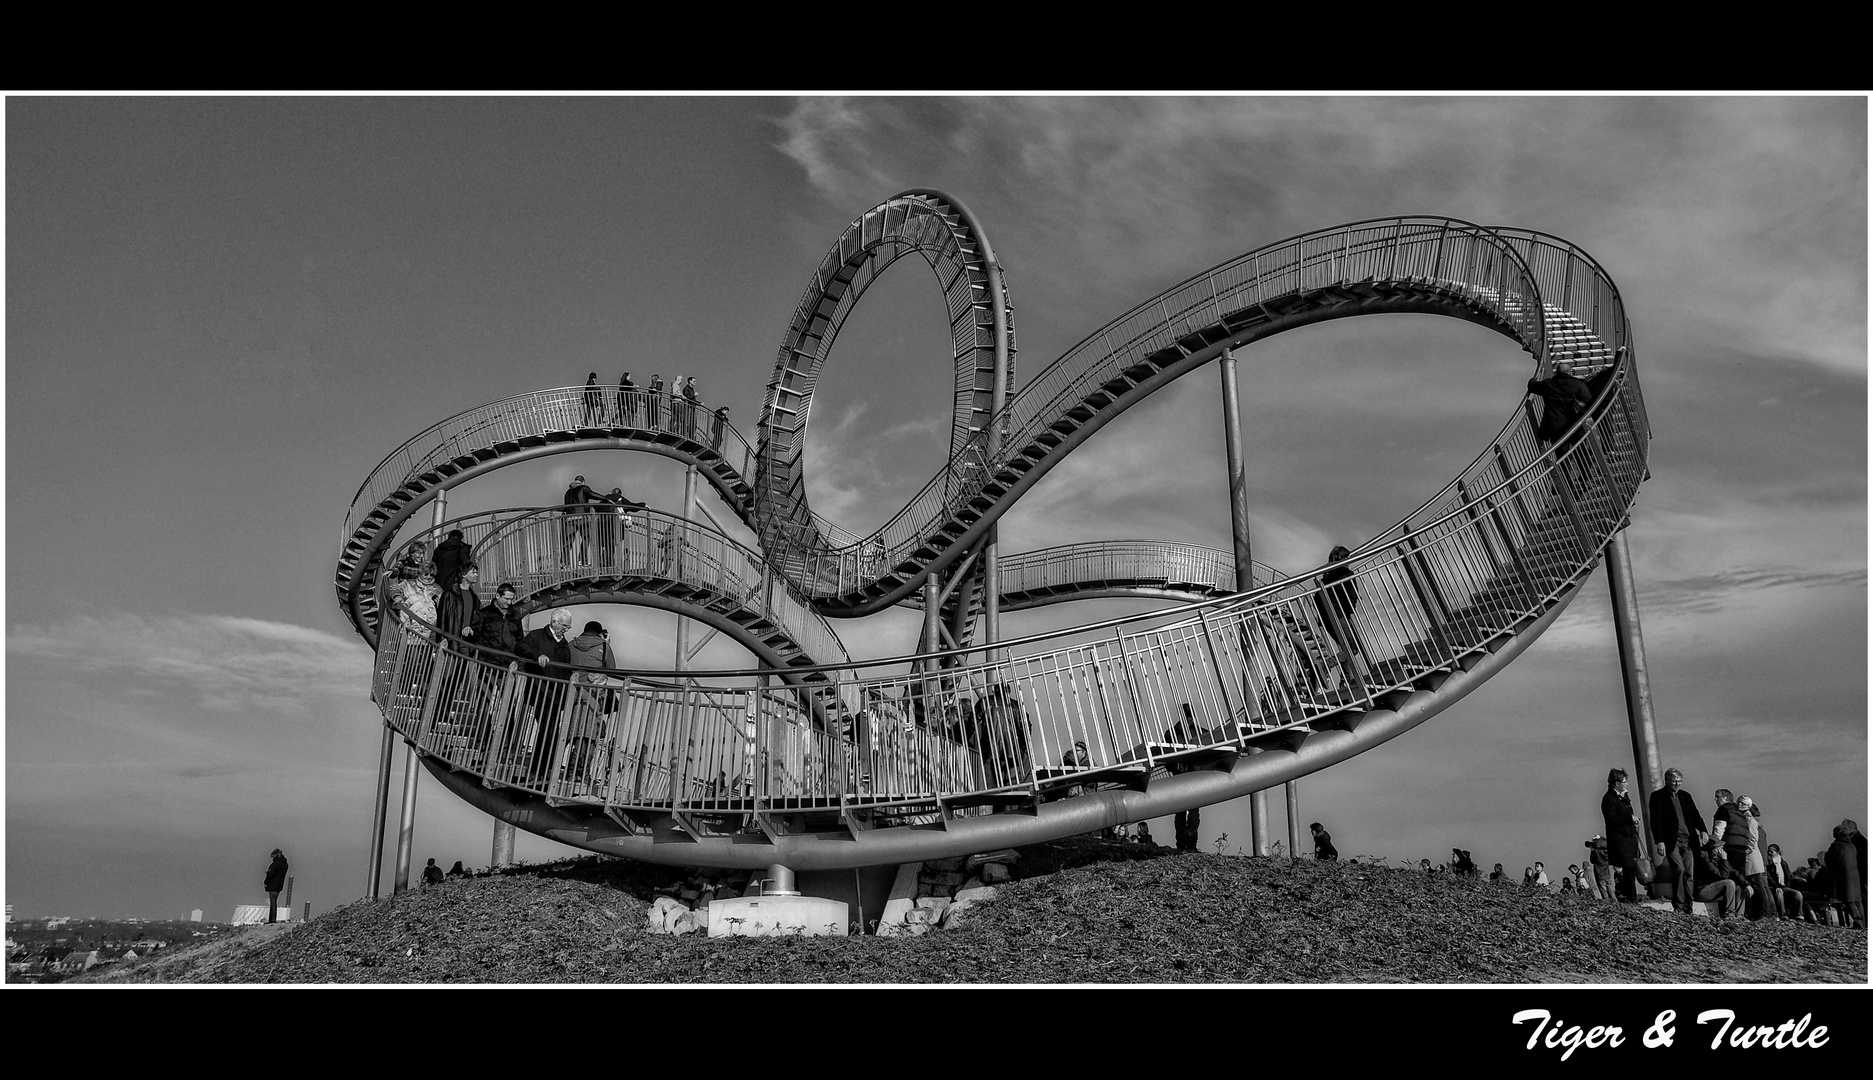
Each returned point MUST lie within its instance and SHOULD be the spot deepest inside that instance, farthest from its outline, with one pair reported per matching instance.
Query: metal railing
(539, 549)
(1285, 655)
(1136, 564)
(543, 413)
(1478, 564)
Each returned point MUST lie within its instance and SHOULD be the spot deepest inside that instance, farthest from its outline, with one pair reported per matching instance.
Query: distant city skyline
(224, 311)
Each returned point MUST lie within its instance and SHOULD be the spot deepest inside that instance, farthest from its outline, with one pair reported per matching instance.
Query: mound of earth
(1083, 911)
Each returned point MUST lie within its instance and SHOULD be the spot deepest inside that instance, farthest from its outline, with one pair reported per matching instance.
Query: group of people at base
(433, 875)
(1729, 861)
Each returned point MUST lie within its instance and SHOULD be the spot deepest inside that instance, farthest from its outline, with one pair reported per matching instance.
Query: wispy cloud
(229, 662)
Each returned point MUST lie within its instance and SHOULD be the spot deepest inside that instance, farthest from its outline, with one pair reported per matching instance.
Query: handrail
(533, 548)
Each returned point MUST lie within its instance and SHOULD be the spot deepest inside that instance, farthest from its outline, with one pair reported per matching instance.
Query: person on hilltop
(1323, 844)
(457, 870)
(274, 882)
(432, 874)
(1678, 830)
(1622, 836)
(1857, 840)
(1498, 876)
(1541, 875)
(1600, 868)
(1843, 869)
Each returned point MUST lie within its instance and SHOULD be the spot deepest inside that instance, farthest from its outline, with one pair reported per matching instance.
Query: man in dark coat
(1844, 879)
(576, 528)
(1563, 399)
(1622, 836)
(1678, 830)
(275, 881)
(452, 555)
(1858, 840)
(497, 628)
(548, 652)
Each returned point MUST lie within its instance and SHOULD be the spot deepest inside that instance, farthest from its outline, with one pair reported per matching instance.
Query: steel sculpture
(814, 762)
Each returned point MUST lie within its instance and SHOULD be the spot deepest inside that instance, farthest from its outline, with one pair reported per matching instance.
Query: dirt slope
(1085, 911)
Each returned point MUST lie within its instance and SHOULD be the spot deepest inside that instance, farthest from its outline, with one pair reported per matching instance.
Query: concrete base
(777, 916)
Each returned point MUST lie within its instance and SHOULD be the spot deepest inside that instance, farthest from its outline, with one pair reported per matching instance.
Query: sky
(222, 312)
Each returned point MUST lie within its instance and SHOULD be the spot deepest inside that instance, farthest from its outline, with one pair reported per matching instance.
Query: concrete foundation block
(778, 916)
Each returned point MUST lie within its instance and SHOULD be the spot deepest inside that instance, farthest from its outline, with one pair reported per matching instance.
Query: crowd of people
(629, 406)
(1728, 861)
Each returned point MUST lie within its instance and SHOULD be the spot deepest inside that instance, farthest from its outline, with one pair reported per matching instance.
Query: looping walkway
(834, 765)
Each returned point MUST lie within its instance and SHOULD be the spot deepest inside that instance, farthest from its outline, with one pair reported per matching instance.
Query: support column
(998, 399)
(406, 824)
(689, 514)
(1239, 537)
(503, 853)
(1294, 818)
(1632, 667)
(378, 813)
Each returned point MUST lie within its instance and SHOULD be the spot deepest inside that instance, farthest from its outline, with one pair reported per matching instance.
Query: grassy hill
(1083, 911)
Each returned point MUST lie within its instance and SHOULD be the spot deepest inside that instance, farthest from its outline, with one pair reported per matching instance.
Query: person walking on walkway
(594, 401)
(275, 882)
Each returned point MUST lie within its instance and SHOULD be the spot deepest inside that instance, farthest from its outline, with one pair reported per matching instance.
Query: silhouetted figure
(274, 882)
(653, 401)
(1323, 844)
(432, 874)
(451, 556)
(456, 870)
(594, 401)
(627, 401)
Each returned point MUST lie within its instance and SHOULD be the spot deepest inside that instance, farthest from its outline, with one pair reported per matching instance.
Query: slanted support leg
(1239, 535)
(1632, 667)
(378, 813)
(406, 823)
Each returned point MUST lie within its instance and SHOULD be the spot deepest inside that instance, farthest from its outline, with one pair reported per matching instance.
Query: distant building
(195, 915)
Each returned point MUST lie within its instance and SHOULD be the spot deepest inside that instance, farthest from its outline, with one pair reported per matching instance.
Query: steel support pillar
(378, 813)
(503, 853)
(406, 823)
(1239, 537)
(689, 514)
(998, 400)
(1632, 667)
(1294, 817)
(778, 882)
